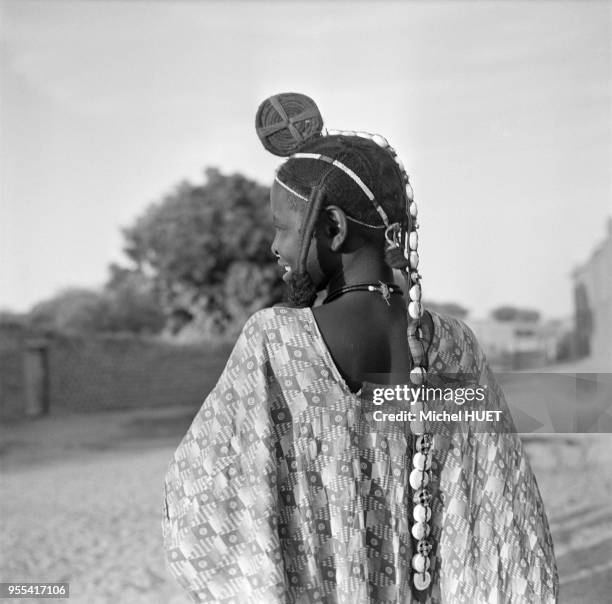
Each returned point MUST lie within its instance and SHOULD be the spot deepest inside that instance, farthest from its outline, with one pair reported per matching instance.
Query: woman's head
(346, 190)
(348, 219)
(373, 165)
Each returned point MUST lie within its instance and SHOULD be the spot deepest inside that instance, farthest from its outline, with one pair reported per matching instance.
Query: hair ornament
(351, 174)
(365, 224)
(414, 293)
(413, 240)
(304, 198)
(394, 254)
(381, 141)
(421, 473)
(286, 121)
(395, 233)
(288, 188)
(345, 169)
(409, 191)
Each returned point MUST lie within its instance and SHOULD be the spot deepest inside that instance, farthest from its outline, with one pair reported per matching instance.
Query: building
(593, 305)
(518, 344)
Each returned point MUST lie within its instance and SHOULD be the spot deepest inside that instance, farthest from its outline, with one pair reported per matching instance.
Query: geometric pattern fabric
(286, 490)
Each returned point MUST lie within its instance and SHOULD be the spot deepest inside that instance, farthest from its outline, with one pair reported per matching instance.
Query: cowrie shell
(422, 461)
(420, 563)
(422, 580)
(417, 480)
(421, 513)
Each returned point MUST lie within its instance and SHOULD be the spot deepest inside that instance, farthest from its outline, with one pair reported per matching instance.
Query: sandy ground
(81, 502)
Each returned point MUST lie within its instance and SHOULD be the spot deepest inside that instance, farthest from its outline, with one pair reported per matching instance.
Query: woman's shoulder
(272, 317)
(263, 332)
(448, 325)
(453, 343)
(278, 310)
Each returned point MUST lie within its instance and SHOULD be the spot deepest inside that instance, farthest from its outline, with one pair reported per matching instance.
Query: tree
(126, 304)
(133, 304)
(206, 249)
(8, 317)
(72, 309)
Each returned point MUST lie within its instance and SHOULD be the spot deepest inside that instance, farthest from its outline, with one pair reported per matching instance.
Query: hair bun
(286, 121)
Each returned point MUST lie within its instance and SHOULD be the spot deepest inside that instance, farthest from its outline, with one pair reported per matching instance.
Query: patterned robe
(286, 490)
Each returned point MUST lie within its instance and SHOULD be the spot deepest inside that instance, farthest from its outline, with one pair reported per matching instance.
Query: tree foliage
(132, 302)
(206, 249)
(73, 309)
(126, 304)
(201, 256)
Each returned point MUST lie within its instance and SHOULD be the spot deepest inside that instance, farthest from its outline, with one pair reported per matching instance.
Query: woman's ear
(336, 226)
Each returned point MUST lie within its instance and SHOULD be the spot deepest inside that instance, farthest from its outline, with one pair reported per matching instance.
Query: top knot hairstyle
(360, 173)
(285, 121)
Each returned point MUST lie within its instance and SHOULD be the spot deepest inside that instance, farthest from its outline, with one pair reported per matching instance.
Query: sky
(500, 111)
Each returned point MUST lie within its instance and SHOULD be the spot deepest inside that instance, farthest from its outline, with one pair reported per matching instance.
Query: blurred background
(135, 241)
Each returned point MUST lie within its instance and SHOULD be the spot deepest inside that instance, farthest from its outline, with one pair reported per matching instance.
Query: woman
(302, 478)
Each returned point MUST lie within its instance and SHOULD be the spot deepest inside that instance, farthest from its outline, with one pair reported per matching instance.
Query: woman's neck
(365, 265)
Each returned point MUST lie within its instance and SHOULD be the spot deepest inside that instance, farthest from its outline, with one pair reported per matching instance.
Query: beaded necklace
(385, 290)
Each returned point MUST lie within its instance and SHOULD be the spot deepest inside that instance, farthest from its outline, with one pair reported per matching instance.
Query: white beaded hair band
(288, 188)
(303, 197)
(350, 174)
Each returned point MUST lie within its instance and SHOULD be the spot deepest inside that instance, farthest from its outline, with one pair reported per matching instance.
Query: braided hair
(376, 168)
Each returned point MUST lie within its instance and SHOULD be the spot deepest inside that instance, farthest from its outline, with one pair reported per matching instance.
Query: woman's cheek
(313, 266)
